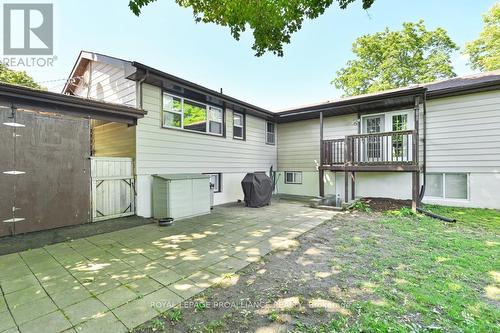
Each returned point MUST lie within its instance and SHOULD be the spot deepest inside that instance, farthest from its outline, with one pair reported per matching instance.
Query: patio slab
(116, 281)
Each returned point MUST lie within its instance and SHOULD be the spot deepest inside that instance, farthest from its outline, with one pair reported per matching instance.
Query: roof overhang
(177, 85)
(66, 104)
(464, 89)
(84, 59)
(385, 101)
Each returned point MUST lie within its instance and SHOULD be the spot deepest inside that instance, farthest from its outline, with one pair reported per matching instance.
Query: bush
(361, 206)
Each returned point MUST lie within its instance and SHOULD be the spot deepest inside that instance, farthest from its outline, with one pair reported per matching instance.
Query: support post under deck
(415, 186)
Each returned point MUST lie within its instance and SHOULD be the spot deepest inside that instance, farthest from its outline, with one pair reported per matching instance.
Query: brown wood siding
(54, 151)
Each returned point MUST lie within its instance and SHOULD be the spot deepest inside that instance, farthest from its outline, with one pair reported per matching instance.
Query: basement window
(215, 180)
(293, 177)
(453, 186)
(182, 113)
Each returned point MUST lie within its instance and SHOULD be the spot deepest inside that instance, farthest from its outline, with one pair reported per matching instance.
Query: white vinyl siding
(298, 147)
(108, 83)
(169, 151)
(463, 133)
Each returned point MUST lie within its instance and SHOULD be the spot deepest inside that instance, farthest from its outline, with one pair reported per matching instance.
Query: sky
(166, 37)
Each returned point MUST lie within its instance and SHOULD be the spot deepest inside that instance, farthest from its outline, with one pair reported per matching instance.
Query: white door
(113, 187)
(373, 145)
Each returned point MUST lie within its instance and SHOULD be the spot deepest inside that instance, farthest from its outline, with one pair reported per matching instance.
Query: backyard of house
(362, 272)
(324, 272)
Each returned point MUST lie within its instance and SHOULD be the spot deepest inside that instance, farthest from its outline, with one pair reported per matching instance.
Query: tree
(484, 52)
(8, 75)
(392, 59)
(273, 21)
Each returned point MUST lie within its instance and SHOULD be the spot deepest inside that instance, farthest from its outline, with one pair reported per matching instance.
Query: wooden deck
(387, 151)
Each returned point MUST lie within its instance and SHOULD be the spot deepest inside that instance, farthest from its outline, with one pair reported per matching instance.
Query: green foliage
(174, 315)
(361, 206)
(200, 306)
(484, 52)
(273, 316)
(392, 59)
(273, 22)
(21, 78)
(157, 325)
(402, 212)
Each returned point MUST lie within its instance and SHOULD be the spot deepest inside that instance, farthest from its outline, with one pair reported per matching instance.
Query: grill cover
(258, 189)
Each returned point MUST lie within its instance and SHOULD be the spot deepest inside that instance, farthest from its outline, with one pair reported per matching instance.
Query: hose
(436, 216)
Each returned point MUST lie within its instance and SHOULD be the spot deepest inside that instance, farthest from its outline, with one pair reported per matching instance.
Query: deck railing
(397, 147)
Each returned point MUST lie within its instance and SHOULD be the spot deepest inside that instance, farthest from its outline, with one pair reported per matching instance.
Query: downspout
(424, 168)
(424, 148)
(140, 82)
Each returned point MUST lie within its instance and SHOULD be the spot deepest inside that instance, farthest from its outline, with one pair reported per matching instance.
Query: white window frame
(208, 108)
(242, 126)
(443, 175)
(218, 185)
(273, 133)
(294, 176)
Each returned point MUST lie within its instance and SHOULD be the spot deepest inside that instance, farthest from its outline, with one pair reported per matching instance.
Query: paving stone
(11, 285)
(6, 321)
(52, 322)
(32, 310)
(163, 299)
(104, 323)
(26, 295)
(70, 296)
(185, 288)
(203, 279)
(85, 310)
(135, 313)
(117, 296)
(167, 276)
(143, 286)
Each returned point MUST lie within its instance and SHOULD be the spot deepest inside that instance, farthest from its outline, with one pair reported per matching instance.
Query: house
(437, 142)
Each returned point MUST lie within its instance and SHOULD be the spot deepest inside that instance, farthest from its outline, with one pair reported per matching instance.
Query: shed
(181, 196)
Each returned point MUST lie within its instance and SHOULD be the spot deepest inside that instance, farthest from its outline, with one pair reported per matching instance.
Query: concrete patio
(116, 281)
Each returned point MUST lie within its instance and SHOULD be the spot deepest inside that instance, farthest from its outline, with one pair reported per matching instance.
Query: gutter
(203, 90)
(65, 102)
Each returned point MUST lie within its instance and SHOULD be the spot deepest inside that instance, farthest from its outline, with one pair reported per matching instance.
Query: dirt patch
(11, 244)
(304, 286)
(385, 204)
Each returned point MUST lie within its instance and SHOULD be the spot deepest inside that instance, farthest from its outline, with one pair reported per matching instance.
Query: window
(373, 124)
(293, 177)
(270, 133)
(189, 115)
(215, 180)
(399, 123)
(448, 185)
(238, 126)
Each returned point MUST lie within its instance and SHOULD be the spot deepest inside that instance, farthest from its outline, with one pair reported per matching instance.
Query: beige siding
(161, 150)
(463, 133)
(114, 140)
(107, 83)
(298, 148)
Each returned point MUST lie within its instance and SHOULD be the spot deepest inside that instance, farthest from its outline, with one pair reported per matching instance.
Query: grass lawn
(365, 272)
